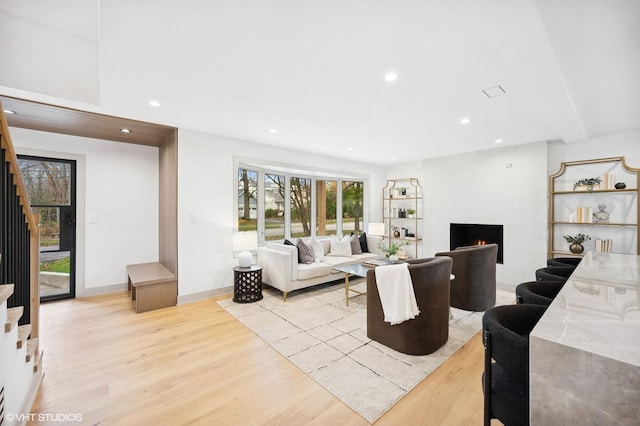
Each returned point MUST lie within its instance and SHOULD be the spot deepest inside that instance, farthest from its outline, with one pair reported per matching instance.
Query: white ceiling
(314, 70)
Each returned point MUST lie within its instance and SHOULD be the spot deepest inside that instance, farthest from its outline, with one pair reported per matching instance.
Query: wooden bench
(152, 286)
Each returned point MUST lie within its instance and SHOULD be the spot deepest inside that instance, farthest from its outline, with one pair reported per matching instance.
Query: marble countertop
(598, 309)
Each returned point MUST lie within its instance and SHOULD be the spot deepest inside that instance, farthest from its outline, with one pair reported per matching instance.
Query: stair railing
(19, 235)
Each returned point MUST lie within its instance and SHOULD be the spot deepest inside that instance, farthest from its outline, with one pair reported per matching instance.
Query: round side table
(247, 284)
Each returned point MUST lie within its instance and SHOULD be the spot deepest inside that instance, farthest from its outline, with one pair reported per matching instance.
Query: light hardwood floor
(195, 364)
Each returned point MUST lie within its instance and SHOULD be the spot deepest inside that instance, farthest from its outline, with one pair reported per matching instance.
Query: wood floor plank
(195, 364)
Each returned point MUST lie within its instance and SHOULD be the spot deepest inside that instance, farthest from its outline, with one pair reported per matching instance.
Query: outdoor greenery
(60, 265)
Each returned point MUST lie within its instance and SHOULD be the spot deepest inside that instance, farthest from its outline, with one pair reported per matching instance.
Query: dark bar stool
(538, 292)
(554, 273)
(505, 382)
(564, 261)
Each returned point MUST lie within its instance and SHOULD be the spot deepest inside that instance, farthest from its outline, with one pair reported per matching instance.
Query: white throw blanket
(396, 293)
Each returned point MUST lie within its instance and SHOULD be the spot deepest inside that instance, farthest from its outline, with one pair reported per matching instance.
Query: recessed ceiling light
(498, 141)
(154, 103)
(273, 131)
(350, 148)
(390, 76)
(465, 120)
(8, 111)
(393, 158)
(125, 130)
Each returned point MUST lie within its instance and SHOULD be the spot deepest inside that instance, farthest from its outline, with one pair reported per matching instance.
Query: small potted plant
(576, 242)
(588, 183)
(411, 213)
(403, 191)
(392, 251)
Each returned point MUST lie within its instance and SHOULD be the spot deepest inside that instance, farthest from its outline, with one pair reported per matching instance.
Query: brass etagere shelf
(566, 196)
(402, 210)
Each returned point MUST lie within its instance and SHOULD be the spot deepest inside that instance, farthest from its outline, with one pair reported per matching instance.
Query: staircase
(21, 362)
(20, 355)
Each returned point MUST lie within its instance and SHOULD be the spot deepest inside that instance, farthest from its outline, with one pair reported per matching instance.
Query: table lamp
(376, 229)
(243, 242)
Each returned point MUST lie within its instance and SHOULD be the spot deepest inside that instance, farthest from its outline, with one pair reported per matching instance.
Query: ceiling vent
(494, 91)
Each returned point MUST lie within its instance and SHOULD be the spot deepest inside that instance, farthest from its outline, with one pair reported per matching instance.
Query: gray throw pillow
(305, 254)
(355, 245)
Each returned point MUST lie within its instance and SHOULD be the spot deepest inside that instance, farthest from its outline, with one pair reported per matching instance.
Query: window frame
(289, 172)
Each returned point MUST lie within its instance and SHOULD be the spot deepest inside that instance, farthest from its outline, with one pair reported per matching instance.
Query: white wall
(625, 144)
(479, 187)
(118, 183)
(206, 217)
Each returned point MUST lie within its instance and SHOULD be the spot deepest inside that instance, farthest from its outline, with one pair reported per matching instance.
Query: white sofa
(281, 270)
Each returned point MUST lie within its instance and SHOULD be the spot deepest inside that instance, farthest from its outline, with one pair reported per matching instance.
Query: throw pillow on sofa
(363, 243)
(355, 244)
(317, 248)
(305, 254)
(340, 247)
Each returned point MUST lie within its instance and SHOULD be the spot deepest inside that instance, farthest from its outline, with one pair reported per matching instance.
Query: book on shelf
(582, 215)
(608, 181)
(603, 246)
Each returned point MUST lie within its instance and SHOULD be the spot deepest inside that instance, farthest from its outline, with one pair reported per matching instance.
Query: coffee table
(360, 270)
(357, 270)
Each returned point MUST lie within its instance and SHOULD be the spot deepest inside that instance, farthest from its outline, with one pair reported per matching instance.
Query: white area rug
(328, 340)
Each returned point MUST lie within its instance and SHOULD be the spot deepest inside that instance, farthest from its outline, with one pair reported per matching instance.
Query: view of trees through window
(352, 200)
(274, 192)
(247, 200)
(277, 215)
(300, 207)
(326, 207)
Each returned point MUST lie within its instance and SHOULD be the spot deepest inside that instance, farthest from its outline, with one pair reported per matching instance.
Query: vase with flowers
(576, 241)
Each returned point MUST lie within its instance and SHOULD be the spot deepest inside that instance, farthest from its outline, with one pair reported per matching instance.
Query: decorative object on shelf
(392, 250)
(411, 213)
(601, 216)
(588, 183)
(576, 242)
(620, 185)
(396, 231)
(403, 191)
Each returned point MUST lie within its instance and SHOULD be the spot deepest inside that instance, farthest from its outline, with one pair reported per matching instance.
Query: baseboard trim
(182, 299)
(107, 289)
(195, 297)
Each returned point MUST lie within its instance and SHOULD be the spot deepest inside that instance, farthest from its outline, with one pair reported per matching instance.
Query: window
(280, 205)
(300, 207)
(247, 200)
(352, 201)
(274, 190)
(326, 192)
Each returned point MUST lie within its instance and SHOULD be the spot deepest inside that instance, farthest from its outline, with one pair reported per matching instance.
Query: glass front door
(50, 184)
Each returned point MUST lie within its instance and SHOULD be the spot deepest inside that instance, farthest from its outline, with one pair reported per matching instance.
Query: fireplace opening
(470, 234)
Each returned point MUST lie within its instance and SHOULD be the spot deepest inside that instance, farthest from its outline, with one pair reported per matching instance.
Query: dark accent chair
(564, 261)
(505, 382)
(538, 292)
(430, 329)
(474, 285)
(554, 273)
